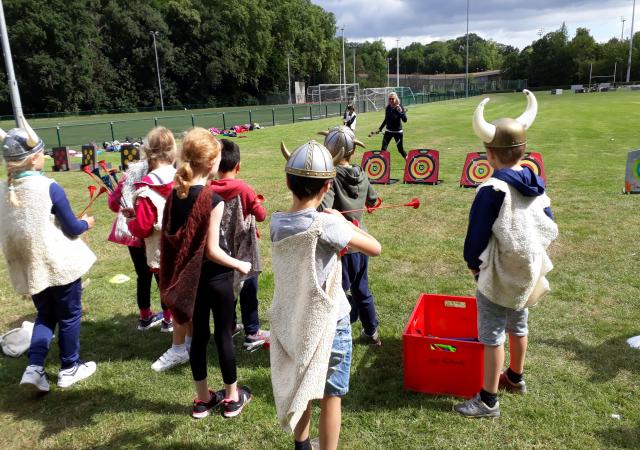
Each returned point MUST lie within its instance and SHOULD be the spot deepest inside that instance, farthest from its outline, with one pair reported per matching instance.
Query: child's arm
(144, 218)
(256, 208)
(113, 199)
(372, 196)
(69, 224)
(361, 241)
(214, 252)
(484, 212)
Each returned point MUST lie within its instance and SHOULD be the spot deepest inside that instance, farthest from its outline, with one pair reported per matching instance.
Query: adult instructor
(394, 115)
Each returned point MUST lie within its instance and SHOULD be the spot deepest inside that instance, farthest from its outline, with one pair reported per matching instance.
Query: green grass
(579, 369)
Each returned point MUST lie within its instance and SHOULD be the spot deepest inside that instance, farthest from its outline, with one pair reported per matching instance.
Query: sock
(179, 348)
(488, 398)
(304, 445)
(146, 313)
(167, 315)
(514, 377)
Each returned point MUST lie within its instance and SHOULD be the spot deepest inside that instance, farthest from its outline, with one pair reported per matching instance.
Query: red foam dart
(414, 203)
(260, 198)
(92, 190)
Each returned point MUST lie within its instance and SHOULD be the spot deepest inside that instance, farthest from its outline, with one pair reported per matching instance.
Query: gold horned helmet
(340, 141)
(505, 133)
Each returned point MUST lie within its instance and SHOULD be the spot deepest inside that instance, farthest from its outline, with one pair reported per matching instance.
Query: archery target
(533, 160)
(479, 170)
(632, 179)
(89, 156)
(60, 159)
(376, 165)
(422, 166)
(128, 155)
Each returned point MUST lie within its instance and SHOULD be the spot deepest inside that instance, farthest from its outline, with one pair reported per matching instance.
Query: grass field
(579, 369)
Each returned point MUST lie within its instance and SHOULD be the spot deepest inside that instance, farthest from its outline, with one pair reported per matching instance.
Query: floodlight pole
(155, 49)
(623, 20)
(388, 75)
(16, 104)
(466, 70)
(344, 64)
(289, 78)
(633, 16)
(397, 62)
(354, 63)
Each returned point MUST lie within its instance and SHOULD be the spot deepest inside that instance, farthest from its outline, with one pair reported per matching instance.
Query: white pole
(590, 72)
(615, 70)
(155, 49)
(354, 64)
(623, 20)
(466, 77)
(344, 64)
(633, 16)
(388, 75)
(397, 62)
(11, 76)
(289, 78)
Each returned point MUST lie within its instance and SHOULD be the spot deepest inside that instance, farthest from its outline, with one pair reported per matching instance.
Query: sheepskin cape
(303, 324)
(515, 262)
(39, 254)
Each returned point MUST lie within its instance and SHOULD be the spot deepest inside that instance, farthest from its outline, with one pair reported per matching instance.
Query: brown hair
(159, 146)
(199, 150)
(15, 167)
(509, 155)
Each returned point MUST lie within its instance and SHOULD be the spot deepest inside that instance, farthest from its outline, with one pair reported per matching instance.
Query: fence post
(273, 116)
(326, 111)
(293, 115)
(58, 133)
(113, 135)
(224, 122)
(310, 112)
(193, 120)
(250, 117)
(155, 121)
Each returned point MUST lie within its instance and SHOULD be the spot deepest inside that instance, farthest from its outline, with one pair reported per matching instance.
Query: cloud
(510, 22)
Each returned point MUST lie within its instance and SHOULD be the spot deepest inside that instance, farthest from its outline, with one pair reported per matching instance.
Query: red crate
(441, 354)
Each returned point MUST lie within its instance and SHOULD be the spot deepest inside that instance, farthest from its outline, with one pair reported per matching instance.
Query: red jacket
(141, 226)
(229, 188)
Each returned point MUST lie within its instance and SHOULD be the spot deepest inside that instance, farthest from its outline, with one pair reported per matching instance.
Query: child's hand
(244, 267)
(91, 221)
(128, 213)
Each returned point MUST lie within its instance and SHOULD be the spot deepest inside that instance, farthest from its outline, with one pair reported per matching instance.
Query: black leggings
(398, 137)
(144, 273)
(214, 294)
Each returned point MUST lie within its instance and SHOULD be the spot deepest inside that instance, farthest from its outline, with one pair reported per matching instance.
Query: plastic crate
(440, 348)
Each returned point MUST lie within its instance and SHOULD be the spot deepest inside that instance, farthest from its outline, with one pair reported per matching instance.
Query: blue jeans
(355, 277)
(337, 384)
(62, 306)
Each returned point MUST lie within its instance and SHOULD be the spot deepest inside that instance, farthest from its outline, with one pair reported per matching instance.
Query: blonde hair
(159, 146)
(199, 150)
(13, 168)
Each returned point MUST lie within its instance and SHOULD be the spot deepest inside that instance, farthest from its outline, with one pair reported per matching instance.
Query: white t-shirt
(348, 116)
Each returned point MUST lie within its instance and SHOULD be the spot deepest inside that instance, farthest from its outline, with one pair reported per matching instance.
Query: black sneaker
(231, 408)
(153, 321)
(201, 409)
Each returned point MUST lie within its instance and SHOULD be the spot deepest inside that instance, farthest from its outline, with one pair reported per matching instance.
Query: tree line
(75, 55)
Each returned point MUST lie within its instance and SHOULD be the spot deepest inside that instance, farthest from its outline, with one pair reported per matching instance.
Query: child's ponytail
(199, 150)
(14, 167)
(184, 176)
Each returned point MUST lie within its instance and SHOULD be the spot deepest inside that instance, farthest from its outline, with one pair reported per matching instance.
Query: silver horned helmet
(21, 142)
(310, 160)
(341, 142)
(505, 133)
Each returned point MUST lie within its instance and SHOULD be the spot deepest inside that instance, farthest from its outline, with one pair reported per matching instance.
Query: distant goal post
(333, 93)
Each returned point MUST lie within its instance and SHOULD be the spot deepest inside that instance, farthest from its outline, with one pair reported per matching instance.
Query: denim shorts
(494, 320)
(337, 384)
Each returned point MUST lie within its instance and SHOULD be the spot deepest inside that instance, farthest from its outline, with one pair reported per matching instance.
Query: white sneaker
(34, 378)
(171, 358)
(75, 373)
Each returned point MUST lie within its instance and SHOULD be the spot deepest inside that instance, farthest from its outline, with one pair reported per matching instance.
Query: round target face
(532, 164)
(636, 169)
(126, 152)
(130, 157)
(375, 167)
(479, 170)
(421, 167)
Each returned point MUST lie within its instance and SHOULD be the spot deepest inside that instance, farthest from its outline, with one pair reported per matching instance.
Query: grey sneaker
(373, 340)
(507, 385)
(477, 408)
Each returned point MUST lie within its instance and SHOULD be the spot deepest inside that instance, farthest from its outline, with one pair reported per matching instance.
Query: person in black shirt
(394, 115)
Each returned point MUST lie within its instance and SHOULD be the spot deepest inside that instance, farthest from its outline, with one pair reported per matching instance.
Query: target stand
(88, 156)
(477, 169)
(377, 165)
(60, 159)
(422, 167)
(632, 178)
(129, 154)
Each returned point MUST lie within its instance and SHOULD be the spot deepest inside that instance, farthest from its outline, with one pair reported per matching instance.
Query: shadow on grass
(17, 323)
(606, 359)
(620, 437)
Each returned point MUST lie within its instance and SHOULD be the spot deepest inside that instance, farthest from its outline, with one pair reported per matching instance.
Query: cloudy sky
(513, 22)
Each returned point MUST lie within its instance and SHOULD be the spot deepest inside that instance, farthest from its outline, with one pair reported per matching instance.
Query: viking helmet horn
(323, 133)
(483, 129)
(32, 137)
(3, 134)
(357, 142)
(527, 118)
(285, 152)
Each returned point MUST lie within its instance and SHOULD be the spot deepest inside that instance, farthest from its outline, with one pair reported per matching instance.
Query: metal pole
(289, 78)
(466, 71)
(633, 16)
(16, 104)
(155, 49)
(590, 72)
(615, 70)
(388, 75)
(344, 63)
(354, 64)
(623, 20)
(397, 62)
